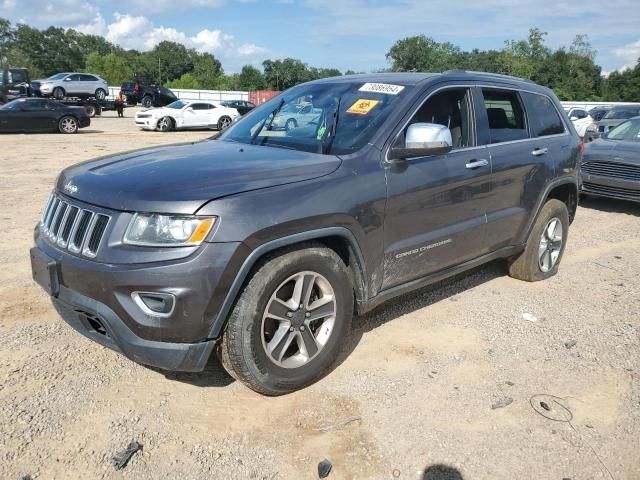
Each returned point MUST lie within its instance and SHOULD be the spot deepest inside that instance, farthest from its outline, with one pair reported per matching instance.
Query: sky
(345, 34)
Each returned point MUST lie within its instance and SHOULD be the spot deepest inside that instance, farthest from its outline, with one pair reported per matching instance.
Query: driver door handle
(539, 152)
(482, 162)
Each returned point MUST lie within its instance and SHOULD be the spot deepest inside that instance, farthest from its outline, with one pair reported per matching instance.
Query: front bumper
(96, 299)
(147, 123)
(99, 323)
(610, 187)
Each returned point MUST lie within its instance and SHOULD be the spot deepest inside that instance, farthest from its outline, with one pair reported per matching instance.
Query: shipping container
(258, 97)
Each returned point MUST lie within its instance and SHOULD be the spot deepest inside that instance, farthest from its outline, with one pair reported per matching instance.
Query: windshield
(177, 105)
(305, 117)
(618, 113)
(57, 76)
(628, 131)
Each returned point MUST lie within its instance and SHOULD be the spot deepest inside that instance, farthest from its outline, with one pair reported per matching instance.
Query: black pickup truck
(148, 95)
(14, 83)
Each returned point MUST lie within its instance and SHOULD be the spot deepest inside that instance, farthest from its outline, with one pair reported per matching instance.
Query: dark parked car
(616, 116)
(261, 245)
(242, 106)
(41, 115)
(147, 95)
(14, 83)
(611, 165)
(598, 112)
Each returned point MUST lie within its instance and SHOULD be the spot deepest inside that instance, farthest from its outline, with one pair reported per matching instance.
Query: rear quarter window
(543, 116)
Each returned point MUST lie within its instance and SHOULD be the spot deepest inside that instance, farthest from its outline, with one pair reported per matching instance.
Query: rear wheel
(147, 102)
(288, 326)
(68, 125)
(224, 122)
(165, 124)
(58, 93)
(101, 94)
(91, 110)
(545, 245)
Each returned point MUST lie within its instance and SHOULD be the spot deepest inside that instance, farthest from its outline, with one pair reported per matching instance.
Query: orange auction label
(362, 106)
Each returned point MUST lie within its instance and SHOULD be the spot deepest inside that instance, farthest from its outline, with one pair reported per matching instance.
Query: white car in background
(582, 121)
(185, 114)
(294, 116)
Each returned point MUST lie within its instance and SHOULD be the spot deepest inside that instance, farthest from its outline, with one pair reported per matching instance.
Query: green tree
(170, 60)
(283, 74)
(187, 80)
(207, 71)
(423, 54)
(112, 67)
(251, 78)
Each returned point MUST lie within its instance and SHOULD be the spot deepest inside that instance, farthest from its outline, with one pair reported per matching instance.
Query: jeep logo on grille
(70, 188)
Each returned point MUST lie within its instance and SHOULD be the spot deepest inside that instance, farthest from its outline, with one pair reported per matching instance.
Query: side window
(88, 78)
(200, 106)
(73, 78)
(451, 108)
(543, 116)
(35, 105)
(505, 115)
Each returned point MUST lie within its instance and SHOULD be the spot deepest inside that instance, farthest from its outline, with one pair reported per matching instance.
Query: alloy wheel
(298, 320)
(68, 125)
(550, 245)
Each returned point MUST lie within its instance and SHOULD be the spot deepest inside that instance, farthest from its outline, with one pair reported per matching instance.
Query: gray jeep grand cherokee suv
(261, 245)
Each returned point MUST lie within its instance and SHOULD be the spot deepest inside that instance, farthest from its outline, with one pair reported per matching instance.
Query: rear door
(89, 84)
(526, 138)
(435, 215)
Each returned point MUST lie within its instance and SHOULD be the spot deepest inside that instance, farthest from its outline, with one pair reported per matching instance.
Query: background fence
(212, 95)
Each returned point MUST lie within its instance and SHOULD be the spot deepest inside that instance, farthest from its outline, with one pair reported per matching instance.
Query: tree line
(570, 71)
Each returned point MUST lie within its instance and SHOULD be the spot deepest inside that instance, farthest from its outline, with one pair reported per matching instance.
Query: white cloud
(250, 49)
(7, 4)
(96, 27)
(629, 53)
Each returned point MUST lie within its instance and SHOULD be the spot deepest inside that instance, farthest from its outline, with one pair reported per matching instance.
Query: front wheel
(165, 124)
(68, 125)
(545, 245)
(288, 326)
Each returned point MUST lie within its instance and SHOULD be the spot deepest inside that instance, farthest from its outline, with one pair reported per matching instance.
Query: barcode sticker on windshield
(381, 88)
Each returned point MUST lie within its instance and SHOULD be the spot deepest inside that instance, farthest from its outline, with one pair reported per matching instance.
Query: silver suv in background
(79, 85)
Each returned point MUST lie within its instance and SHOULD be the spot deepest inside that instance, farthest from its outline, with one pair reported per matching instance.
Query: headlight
(154, 230)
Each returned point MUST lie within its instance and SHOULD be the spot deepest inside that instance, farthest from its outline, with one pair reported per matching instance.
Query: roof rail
(488, 74)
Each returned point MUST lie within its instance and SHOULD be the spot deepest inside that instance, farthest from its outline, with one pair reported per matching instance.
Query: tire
(224, 122)
(244, 350)
(58, 93)
(101, 94)
(91, 110)
(291, 124)
(147, 102)
(545, 245)
(165, 124)
(68, 125)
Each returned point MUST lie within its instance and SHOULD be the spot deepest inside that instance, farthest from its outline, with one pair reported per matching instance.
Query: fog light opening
(155, 304)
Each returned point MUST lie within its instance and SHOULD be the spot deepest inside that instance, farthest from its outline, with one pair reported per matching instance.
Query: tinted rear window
(505, 115)
(543, 116)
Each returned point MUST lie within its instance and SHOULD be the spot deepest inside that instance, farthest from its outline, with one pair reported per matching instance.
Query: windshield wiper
(273, 116)
(334, 128)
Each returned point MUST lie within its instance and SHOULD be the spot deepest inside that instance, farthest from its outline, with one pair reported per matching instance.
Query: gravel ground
(443, 383)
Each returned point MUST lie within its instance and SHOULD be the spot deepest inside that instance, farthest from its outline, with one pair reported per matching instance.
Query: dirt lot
(416, 388)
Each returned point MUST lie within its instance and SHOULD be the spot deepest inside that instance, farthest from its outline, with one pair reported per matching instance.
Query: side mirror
(423, 140)
(574, 118)
(68, 79)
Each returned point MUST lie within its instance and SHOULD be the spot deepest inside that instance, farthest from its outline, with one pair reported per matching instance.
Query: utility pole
(159, 74)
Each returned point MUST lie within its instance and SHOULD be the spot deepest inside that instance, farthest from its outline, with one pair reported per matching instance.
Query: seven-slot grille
(74, 228)
(623, 171)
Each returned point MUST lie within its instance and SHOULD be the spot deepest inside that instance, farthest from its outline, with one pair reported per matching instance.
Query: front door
(435, 215)
(197, 115)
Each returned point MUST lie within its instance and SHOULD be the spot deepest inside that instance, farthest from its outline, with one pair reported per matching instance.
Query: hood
(181, 178)
(598, 149)
(612, 151)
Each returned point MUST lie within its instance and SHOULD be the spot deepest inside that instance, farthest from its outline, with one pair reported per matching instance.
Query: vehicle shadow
(440, 471)
(214, 375)
(422, 298)
(610, 205)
